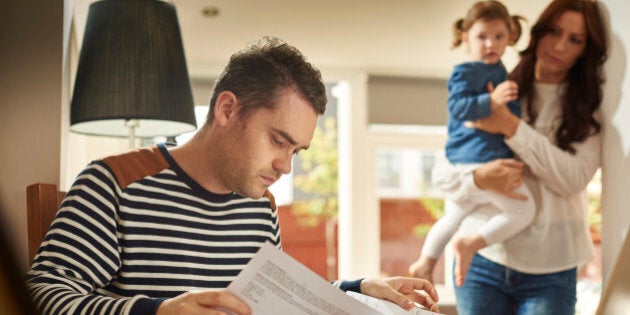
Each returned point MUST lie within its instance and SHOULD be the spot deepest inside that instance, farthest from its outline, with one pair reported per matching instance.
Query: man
(164, 230)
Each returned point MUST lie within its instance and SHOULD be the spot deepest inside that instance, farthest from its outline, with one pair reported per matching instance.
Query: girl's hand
(501, 120)
(504, 93)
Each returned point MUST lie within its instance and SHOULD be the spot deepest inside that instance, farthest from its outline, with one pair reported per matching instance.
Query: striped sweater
(134, 229)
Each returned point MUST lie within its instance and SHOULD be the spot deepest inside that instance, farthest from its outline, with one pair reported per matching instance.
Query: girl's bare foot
(465, 248)
(423, 268)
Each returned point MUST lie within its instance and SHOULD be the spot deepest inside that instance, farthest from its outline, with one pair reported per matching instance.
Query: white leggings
(515, 216)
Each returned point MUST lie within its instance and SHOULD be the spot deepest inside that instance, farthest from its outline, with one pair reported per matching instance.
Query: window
(404, 159)
(404, 172)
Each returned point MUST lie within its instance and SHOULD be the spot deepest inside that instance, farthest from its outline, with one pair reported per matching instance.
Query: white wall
(616, 145)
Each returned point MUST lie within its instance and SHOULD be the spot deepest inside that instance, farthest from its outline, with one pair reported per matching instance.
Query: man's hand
(203, 302)
(402, 291)
(501, 176)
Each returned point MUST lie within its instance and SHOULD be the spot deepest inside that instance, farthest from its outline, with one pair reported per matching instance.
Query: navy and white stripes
(121, 248)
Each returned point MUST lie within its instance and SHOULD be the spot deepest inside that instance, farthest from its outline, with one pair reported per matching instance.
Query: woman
(559, 78)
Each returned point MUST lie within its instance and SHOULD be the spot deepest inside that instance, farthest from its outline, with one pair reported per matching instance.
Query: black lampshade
(132, 67)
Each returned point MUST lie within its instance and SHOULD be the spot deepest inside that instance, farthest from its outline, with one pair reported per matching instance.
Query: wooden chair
(42, 202)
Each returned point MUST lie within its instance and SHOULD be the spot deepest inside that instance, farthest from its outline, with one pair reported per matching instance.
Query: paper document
(274, 283)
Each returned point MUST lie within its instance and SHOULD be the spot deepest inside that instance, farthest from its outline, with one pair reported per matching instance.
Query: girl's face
(487, 39)
(560, 48)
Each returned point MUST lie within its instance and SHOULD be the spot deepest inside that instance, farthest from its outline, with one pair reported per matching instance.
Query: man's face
(262, 146)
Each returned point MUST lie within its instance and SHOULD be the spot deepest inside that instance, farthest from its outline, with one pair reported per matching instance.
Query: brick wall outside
(399, 246)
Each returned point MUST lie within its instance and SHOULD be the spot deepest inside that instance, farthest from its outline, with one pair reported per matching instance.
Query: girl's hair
(583, 93)
(487, 10)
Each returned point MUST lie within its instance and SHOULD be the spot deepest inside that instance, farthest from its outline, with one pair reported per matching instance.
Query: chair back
(42, 203)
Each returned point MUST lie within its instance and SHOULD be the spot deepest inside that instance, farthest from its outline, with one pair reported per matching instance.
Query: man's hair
(259, 73)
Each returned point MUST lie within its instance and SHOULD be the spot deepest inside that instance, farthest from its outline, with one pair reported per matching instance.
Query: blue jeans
(493, 289)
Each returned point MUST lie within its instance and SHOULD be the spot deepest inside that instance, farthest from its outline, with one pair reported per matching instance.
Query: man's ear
(225, 108)
(465, 38)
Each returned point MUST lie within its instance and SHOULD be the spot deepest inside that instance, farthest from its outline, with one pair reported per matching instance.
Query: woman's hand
(403, 291)
(501, 176)
(501, 121)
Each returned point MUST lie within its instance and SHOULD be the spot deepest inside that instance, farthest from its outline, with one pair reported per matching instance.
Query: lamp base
(132, 124)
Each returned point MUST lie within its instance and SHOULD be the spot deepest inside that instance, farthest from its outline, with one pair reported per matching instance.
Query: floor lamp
(132, 79)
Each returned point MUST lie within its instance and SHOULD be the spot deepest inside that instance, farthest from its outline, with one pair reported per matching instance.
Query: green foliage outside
(435, 207)
(320, 180)
(595, 214)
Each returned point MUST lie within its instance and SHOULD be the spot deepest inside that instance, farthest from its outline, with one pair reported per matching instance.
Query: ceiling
(396, 37)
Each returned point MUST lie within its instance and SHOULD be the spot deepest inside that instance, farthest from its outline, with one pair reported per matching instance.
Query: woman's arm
(501, 176)
(500, 121)
(562, 172)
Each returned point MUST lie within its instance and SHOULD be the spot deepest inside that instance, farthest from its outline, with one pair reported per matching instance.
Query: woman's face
(560, 48)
